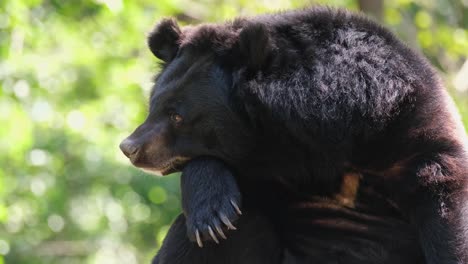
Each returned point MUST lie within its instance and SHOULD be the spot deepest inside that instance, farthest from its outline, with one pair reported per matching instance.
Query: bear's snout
(129, 148)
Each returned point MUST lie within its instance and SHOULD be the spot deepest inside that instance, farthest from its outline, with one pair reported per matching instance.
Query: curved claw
(226, 221)
(199, 241)
(236, 207)
(212, 234)
(220, 231)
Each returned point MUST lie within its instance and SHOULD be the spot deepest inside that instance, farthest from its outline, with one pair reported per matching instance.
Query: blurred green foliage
(74, 76)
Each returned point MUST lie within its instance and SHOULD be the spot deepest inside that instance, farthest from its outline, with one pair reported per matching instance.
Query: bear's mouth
(172, 165)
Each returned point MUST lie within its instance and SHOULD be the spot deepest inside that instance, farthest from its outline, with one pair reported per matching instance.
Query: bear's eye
(176, 118)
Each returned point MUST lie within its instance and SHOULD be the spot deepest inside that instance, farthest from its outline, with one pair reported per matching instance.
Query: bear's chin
(155, 172)
(172, 166)
(161, 172)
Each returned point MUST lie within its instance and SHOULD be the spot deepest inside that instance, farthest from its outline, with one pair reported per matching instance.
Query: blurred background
(74, 79)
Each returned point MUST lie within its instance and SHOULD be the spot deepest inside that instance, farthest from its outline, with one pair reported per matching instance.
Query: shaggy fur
(290, 103)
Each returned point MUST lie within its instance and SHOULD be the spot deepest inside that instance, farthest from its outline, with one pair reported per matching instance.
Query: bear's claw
(212, 234)
(236, 207)
(220, 231)
(227, 222)
(199, 241)
(211, 222)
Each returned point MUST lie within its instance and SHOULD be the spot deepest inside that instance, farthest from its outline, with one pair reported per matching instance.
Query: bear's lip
(167, 167)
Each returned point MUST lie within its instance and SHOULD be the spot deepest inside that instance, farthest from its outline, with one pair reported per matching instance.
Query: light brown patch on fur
(395, 171)
(349, 189)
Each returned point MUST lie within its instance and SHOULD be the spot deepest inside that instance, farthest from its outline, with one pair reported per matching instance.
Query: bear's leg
(437, 209)
(211, 199)
(254, 242)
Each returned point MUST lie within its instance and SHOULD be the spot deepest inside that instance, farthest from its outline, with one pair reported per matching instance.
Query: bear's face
(191, 111)
(188, 111)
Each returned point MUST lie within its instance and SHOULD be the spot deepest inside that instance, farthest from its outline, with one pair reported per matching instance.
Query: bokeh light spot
(41, 111)
(162, 232)
(423, 19)
(4, 247)
(76, 120)
(38, 186)
(140, 212)
(38, 157)
(55, 222)
(21, 89)
(157, 195)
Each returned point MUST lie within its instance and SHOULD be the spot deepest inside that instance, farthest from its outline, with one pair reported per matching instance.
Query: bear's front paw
(212, 218)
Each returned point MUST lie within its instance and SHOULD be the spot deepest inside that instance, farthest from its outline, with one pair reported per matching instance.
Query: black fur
(292, 102)
(256, 244)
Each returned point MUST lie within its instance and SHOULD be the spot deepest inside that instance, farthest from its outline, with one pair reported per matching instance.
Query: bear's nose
(129, 148)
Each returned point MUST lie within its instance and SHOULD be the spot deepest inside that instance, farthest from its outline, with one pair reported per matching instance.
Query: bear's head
(192, 109)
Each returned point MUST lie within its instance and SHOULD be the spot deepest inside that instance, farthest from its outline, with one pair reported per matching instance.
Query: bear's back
(341, 60)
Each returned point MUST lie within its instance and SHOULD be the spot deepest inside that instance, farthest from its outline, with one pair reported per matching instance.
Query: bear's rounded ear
(163, 40)
(255, 46)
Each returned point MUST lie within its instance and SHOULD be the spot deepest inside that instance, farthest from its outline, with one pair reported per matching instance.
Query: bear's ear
(254, 45)
(163, 41)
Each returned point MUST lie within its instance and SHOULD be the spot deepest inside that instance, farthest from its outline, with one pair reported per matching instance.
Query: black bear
(307, 136)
